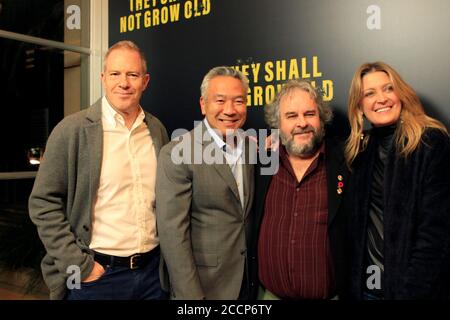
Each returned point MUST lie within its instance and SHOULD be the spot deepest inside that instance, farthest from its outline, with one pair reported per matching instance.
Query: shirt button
(295, 214)
(293, 241)
(298, 189)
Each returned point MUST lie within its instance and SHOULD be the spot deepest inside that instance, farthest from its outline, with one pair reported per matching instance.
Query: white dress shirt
(233, 157)
(123, 221)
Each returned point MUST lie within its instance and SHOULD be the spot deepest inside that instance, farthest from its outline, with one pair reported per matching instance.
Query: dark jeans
(122, 283)
(371, 296)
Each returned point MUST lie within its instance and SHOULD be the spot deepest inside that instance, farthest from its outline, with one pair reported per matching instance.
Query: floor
(13, 286)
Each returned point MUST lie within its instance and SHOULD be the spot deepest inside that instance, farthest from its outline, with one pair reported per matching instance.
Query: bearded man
(300, 245)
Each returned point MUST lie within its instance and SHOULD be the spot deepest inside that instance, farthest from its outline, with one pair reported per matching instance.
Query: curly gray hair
(272, 110)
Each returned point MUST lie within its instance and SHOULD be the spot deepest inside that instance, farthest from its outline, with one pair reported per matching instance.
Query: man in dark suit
(300, 238)
(204, 194)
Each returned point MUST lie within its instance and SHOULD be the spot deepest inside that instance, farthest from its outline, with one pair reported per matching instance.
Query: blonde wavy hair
(413, 120)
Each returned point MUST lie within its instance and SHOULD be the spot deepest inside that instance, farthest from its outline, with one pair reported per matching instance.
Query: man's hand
(272, 142)
(96, 272)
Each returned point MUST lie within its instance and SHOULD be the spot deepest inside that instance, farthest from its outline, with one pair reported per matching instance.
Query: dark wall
(413, 38)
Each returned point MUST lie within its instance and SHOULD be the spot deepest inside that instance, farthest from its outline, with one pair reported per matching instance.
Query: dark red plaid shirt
(293, 250)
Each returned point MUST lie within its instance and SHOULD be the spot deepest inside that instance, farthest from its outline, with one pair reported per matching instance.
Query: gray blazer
(64, 192)
(201, 223)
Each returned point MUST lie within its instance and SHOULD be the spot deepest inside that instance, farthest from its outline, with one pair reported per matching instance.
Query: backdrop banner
(273, 41)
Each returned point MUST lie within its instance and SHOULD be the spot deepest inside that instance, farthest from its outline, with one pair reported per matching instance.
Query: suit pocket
(206, 259)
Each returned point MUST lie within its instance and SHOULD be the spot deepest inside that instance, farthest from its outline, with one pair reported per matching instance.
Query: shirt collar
(236, 152)
(112, 116)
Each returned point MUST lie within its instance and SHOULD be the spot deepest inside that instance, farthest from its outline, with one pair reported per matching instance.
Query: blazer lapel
(94, 140)
(223, 169)
(248, 171)
(154, 133)
(336, 175)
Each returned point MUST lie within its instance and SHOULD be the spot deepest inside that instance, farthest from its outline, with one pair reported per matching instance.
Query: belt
(135, 261)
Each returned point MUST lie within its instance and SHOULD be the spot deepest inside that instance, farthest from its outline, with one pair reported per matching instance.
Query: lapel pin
(340, 184)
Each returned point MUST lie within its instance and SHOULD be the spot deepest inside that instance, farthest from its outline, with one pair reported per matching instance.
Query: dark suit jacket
(337, 219)
(416, 219)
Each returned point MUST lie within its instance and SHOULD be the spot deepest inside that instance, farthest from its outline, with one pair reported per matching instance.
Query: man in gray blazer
(94, 195)
(204, 194)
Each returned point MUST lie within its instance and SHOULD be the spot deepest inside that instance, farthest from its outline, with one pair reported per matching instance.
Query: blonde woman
(399, 193)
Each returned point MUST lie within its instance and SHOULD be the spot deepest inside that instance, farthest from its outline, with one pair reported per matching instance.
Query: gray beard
(303, 150)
